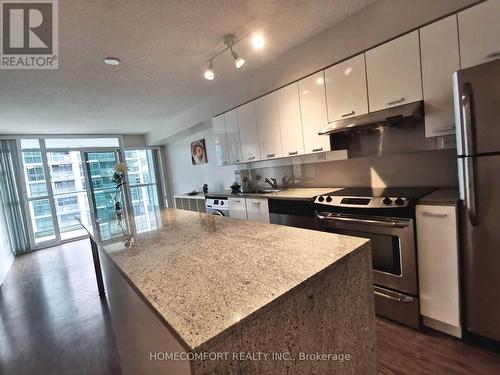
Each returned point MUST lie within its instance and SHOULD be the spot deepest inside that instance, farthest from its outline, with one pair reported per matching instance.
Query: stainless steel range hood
(402, 114)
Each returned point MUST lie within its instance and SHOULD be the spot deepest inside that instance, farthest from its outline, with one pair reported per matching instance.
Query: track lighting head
(229, 41)
(209, 73)
(238, 60)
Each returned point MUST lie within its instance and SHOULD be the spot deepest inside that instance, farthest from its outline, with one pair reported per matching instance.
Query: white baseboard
(442, 327)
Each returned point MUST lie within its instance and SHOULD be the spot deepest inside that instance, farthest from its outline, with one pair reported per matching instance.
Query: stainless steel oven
(392, 242)
(386, 218)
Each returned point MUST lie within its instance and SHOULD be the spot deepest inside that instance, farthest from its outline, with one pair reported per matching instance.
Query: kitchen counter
(286, 194)
(448, 196)
(240, 286)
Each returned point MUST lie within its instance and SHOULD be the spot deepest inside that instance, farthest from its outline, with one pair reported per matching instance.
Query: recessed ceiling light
(258, 41)
(112, 61)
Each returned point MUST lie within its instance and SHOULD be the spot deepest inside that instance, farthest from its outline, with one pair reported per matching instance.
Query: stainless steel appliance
(477, 115)
(386, 216)
(217, 206)
(394, 116)
(293, 213)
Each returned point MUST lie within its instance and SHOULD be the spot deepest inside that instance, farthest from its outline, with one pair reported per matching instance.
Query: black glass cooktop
(403, 192)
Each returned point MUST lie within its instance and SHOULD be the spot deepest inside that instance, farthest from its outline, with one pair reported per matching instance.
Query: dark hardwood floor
(53, 322)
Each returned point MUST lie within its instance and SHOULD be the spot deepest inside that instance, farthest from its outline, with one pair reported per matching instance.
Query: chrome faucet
(272, 182)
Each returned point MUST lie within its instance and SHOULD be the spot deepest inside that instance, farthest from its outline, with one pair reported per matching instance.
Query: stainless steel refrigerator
(477, 115)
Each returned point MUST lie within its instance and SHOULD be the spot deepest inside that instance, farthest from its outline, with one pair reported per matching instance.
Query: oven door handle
(399, 298)
(375, 222)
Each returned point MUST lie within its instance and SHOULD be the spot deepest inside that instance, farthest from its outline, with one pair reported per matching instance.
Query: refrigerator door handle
(466, 100)
(470, 190)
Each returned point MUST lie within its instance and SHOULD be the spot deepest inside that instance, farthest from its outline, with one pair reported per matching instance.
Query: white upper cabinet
(346, 93)
(233, 136)
(393, 71)
(220, 140)
(313, 112)
(440, 59)
(248, 132)
(479, 28)
(268, 124)
(292, 138)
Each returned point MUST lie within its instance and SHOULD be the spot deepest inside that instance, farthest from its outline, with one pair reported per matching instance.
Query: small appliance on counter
(386, 216)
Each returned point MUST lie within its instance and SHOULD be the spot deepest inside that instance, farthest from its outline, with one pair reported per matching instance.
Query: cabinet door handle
(256, 202)
(444, 129)
(270, 155)
(237, 161)
(493, 54)
(433, 214)
(251, 157)
(317, 149)
(293, 153)
(348, 114)
(395, 101)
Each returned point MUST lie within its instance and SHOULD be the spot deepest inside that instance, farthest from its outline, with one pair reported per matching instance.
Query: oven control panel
(362, 202)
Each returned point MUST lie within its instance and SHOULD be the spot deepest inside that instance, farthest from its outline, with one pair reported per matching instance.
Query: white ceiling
(163, 46)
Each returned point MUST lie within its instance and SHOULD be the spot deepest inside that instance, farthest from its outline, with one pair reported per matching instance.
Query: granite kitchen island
(212, 295)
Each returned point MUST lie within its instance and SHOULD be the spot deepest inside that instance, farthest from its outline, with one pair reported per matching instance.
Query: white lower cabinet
(438, 265)
(258, 209)
(237, 208)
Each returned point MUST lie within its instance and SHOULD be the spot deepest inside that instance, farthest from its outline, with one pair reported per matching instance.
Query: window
(143, 192)
(32, 157)
(30, 143)
(58, 157)
(35, 174)
(41, 208)
(81, 142)
(64, 186)
(38, 189)
(66, 204)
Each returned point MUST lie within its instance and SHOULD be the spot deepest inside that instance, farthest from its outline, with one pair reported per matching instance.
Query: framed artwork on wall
(198, 152)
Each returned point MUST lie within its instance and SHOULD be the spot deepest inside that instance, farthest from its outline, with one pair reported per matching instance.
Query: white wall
(6, 253)
(184, 177)
(375, 24)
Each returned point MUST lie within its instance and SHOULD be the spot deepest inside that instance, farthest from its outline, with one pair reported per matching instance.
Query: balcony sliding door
(66, 179)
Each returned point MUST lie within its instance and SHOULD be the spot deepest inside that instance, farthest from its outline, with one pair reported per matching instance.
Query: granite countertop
(202, 282)
(447, 196)
(287, 194)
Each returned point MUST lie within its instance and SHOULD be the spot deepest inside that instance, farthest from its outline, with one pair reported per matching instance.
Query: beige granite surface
(448, 196)
(288, 194)
(204, 280)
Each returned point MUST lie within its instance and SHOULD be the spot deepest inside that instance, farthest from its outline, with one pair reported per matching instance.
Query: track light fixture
(209, 73)
(229, 40)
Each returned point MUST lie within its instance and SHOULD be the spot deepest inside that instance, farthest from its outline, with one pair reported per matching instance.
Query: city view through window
(64, 185)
